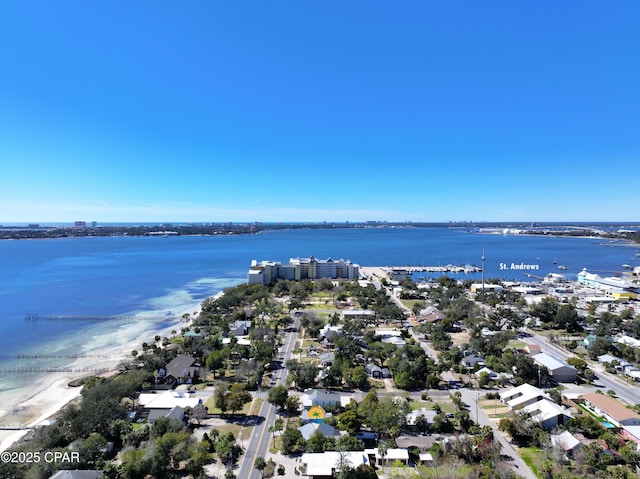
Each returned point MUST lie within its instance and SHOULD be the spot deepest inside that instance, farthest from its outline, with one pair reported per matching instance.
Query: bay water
(162, 277)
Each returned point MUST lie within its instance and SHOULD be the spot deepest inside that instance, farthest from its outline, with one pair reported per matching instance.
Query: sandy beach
(49, 393)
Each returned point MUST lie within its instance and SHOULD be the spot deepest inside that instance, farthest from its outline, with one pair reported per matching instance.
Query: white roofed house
(170, 404)
(522, 396)
(324, 398)
(566, 441)
(547, 413)
(324, 465)
(388, 457)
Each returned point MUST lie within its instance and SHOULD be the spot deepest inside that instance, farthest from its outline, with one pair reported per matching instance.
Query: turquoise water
(160, 276)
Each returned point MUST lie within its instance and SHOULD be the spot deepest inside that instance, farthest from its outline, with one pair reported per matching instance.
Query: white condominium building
(268, 272)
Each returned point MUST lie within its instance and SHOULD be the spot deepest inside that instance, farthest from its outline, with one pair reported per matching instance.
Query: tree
(292, 441)
(198, 413)
(220, 397)
(278, 396)
(357, 377)
(260, 465)
(215, 360)
(363, 471)
(389, 416)
(567, 318)
(350, 421)
(237, 397)
(277, 426)
(545, 310)
(319, 443)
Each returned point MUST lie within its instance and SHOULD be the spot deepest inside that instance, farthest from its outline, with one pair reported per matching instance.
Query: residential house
(567, 442)
(522, 396)
(473, 361)
(327, 359)
(619, 364)
(547, 413)
(324, 398)
(181, 370)
(376, 372)
(240, 328)
(175, 412)
(428, 414)
(325, 429)
(532, 349)
(324, 465)
(612, 410)
(168, 400)
(430, 316)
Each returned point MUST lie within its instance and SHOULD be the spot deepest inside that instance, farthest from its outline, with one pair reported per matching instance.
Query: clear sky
(311, 111)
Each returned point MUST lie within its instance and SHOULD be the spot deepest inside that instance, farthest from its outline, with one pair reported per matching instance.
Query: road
(470, 396)
(258, 442)
(625, 390)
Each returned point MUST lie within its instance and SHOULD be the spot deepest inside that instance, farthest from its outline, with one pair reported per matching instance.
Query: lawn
(531, 457)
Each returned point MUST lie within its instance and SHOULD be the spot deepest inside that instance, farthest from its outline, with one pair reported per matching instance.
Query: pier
(37, 317)
(433, 269)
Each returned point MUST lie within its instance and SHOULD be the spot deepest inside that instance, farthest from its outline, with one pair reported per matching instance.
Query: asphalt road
(624, 389)
(470, 396)
(258, 443)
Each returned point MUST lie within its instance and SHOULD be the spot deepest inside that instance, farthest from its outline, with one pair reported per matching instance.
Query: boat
(627, 266)
(562, 267)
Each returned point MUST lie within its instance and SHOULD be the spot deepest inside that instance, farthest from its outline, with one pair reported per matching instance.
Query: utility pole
(483, 258)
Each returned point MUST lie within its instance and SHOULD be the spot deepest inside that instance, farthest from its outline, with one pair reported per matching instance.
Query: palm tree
(260, 465)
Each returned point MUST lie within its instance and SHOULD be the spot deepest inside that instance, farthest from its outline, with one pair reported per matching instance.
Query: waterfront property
(268, 272)
(616, 288)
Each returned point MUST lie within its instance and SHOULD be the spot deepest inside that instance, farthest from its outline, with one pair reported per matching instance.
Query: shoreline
(51, 393)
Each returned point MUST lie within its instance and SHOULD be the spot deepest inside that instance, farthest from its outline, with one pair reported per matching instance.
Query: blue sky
(312, 111)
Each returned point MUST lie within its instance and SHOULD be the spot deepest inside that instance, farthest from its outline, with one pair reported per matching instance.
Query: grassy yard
(515, 344)
(531, 457)
(410, 302)
(421, 404)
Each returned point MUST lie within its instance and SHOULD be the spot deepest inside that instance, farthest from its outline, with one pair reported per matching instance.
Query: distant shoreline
(578, 229)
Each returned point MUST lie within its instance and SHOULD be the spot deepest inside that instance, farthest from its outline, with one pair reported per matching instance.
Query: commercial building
(616, 288)
(268, 272)
(559, 370)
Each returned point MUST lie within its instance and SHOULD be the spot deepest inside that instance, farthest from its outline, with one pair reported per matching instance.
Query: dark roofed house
(473, 360)
(432, 316)
(176, 412)
(376, 372)
(181, 370)
(327, 359)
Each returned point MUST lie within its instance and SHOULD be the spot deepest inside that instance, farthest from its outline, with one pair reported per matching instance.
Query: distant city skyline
(290, 112)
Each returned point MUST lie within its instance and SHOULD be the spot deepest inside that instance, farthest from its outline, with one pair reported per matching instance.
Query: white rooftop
(324, 464)
(551, 362)
(168, 400)
(544, 410)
